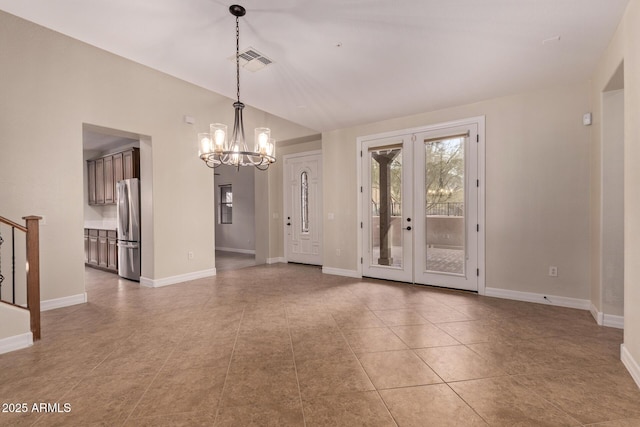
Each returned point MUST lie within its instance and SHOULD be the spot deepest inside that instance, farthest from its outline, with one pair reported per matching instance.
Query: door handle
(288, 223)
(408, 228)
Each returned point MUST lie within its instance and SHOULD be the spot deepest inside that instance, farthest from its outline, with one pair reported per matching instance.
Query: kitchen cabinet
(112, 251)
(92, 256)
(91, 179)
(101, 249)
(118, 173)
(86, 245)
(131, 163)
(103, 173)
(100, 182)
(109, 183)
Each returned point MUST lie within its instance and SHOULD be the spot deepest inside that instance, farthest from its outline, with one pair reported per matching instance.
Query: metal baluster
(1, 276)
(13, 264)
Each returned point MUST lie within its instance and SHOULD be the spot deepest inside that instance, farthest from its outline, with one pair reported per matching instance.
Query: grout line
(151, 382)
(233, 350)
(368, 377)
(295, 365)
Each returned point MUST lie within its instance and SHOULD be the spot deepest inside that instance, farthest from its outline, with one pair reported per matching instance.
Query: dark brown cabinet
(103, 174)
(109, 183)
(112, 251)
(92, 256)
(101, 249)
(100, 182)
(131, 163)
(91, 178)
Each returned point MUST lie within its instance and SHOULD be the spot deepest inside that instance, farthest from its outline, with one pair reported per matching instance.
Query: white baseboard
(276, 260)
(16, 342)
(238, 251)
(597, 315)
(52, 304)
(609, 320)
(172, 280)
(632, 365)
(582, 304)
(341, 272)
(613, 321)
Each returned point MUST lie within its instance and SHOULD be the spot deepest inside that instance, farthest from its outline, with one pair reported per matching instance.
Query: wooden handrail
(14, 224)
(32, 231)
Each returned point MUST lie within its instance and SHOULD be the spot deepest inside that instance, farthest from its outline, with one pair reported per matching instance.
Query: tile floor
(285, 345)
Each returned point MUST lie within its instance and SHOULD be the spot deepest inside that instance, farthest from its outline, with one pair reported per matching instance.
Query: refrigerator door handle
(128, 245)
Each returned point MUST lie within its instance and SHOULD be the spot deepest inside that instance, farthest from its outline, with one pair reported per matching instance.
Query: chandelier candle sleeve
(262, 136)
(219, 136)
(216, 148)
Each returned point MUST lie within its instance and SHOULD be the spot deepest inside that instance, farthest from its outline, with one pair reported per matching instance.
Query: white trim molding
(632, 365)
(276, 260)
(238, 251)
(341, 272)
(172, 280)
(609, 320)
(52, 304)
(582, 304)
(16, 342)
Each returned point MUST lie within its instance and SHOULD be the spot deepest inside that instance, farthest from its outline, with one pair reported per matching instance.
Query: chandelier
(215, 148)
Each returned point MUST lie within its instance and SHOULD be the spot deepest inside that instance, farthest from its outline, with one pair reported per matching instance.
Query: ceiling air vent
(252, 60)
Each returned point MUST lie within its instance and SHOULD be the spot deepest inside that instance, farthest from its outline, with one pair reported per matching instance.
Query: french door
(420, 207)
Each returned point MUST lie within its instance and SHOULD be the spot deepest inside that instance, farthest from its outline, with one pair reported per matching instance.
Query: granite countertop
(99, 225)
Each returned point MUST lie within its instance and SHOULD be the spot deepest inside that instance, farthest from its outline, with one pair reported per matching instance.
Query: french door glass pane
(445, 211)
(386, 206)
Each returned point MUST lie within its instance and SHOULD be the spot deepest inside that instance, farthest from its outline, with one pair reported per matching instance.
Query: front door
(303, 208)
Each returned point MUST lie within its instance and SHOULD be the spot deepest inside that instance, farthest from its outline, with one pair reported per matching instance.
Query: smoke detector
(252, 60)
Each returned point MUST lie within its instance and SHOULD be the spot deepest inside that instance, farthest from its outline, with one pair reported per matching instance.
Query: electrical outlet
(190, 255)
(553, 271)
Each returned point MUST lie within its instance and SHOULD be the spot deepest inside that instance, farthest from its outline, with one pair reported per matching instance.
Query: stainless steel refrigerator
(128, 218)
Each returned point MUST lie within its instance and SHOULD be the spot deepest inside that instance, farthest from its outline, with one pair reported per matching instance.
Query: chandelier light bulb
(262, 136)
(204, 144)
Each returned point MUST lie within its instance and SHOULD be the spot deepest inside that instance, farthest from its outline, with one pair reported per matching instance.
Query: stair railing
(32, 231)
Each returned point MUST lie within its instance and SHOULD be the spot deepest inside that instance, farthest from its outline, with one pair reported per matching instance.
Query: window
(226, 204)
(304, 201)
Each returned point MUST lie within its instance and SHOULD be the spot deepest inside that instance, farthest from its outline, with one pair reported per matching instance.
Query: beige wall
(624, 46)
(50, 86)
(14, 321)
(537, 197)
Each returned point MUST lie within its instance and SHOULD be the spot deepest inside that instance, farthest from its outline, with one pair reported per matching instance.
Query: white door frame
(285, 189)
(480, 121)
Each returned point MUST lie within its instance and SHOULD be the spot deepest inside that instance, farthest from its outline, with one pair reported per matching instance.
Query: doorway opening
(422, 203)
(612, 202)
(235, 217)
(111, 157)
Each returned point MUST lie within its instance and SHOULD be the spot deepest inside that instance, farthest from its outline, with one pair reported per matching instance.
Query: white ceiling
(395, 58)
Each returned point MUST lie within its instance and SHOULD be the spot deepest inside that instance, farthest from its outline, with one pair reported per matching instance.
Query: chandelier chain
(237, 59)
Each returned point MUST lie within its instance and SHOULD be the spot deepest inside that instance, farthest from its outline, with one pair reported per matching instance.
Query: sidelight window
(304, 201)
